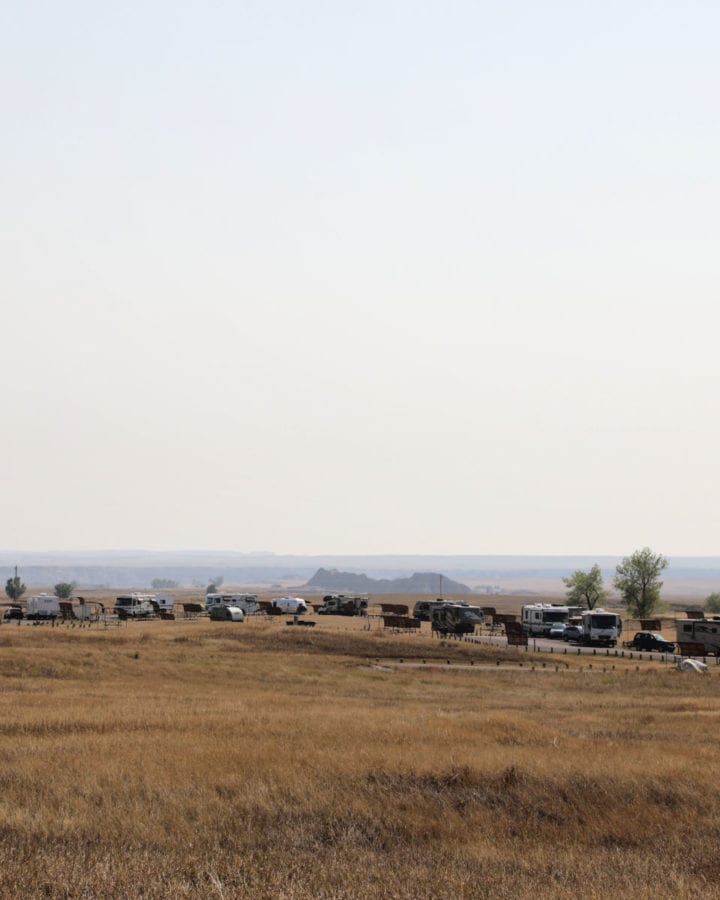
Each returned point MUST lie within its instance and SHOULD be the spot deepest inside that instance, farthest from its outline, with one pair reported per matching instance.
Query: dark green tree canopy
(585, 588)
(637, 580)
(64, 589)
(14, 588)
(712, 603)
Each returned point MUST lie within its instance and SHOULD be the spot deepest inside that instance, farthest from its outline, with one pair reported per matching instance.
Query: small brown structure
(516, 634)
(401, 623)
(394, 609)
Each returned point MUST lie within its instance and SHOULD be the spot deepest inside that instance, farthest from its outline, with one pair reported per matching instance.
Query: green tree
(712, 603)
(638, 581)
(64, 589)
(14, 588)
(585, 588)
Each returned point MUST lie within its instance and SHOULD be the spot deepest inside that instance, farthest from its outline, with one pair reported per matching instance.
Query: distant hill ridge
(419, 583)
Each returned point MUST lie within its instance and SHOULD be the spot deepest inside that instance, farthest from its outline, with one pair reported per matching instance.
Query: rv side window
(687, 628)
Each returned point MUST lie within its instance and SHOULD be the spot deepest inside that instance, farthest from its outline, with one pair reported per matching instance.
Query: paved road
(545, 645)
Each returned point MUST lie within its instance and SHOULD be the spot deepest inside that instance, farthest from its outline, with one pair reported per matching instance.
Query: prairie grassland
(219, 760)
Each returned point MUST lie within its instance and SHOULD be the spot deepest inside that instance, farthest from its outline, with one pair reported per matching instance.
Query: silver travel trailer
(538, 618)
(248, 603)
(221, 613)
(294, 606)
(42, 606)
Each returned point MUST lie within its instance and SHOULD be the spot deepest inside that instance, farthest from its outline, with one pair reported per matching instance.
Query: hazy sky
(380, 277)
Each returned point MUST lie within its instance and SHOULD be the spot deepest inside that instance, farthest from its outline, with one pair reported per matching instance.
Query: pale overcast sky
(374, 278)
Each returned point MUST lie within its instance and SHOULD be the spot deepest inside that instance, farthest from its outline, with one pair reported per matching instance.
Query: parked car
(12, 612)
(572, 633)
(557, 631)
(651, 641)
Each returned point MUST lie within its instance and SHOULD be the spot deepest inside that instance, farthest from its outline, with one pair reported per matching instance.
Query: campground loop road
(562, 649)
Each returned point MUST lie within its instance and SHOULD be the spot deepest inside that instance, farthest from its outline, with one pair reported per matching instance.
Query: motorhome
(600, 627)
(295, 606)
(42, 606)
(248, 603)
(537, 618)
(135, 606)
(700, 631)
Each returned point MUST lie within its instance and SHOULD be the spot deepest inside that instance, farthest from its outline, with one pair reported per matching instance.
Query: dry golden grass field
(203, 759)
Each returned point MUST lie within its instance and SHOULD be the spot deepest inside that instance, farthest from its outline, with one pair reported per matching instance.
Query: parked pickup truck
(651, 641)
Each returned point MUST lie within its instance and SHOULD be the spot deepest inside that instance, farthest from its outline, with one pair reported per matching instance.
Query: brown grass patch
(208, 759)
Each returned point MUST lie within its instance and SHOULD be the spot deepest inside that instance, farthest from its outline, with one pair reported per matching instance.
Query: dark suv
(651, 640)
(12, 612)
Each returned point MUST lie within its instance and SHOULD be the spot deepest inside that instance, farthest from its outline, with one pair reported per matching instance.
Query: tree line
(637, 580)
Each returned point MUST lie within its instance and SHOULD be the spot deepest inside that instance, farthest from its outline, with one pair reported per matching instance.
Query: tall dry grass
(211, 759)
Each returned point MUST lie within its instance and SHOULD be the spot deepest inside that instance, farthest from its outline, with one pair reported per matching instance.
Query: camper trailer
(538, 618)
(248, 603)
(294, 606)
(423, 609)
(340, 605)
(455, 618)
(705, 632)
(41, 607)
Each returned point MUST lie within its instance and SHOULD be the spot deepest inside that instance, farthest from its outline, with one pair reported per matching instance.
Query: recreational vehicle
(600, 627)
(700, 631)
(455, 618)
(294, 606)
(43, 606)
(135, 606)
(248, 603)
(538, 618)
(340, 605)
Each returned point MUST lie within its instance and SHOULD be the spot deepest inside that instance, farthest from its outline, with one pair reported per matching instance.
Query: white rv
(135, 606)
(294, 606)
(700, 631)
(248, 603)
(538, 618)
(43, 606)
(600, 627)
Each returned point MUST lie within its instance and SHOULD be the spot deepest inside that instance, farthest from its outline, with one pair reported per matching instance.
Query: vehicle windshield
(604, 621)
(556, 616)
(470, 614)
(658, 637)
